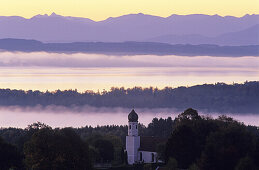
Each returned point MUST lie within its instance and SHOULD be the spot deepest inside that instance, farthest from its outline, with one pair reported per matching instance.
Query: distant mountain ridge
(128, 48)
(133, 27)
(248, 36)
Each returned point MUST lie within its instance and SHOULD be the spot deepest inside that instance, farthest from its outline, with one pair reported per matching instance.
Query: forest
(219, 97)
(194, 142)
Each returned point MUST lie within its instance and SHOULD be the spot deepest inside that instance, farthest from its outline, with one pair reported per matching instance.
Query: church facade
(139, 149)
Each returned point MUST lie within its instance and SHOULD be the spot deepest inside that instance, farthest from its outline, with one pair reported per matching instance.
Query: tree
(160, 127)
(172, 164)
(10, 158)
(182, 146)
(188, 115)
(56, 149)
(194, 167)
(225, 147)
(246, 163)
(185, 142)
(105, 149)
(209, 143)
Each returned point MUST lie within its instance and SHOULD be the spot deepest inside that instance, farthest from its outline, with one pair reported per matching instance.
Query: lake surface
(79, 117)
(52, 71)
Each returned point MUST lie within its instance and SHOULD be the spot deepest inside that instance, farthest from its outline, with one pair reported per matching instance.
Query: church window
(140, 155)
(130, 127)
(136, 126)
(153, 157)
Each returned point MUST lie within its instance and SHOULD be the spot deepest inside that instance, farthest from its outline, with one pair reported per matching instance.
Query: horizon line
(55, 14)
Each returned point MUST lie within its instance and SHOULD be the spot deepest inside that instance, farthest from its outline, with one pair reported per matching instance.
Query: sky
(102, 9)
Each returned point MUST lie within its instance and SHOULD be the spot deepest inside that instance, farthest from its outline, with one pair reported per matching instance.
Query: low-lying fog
(57, 116)
(83, 60)
(51, 71)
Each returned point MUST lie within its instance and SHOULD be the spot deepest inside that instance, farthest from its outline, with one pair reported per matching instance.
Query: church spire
(133, 116)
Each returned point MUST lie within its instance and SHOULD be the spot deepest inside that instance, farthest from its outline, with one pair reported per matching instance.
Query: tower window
(130, 126)
(140, 155)
(136, 126)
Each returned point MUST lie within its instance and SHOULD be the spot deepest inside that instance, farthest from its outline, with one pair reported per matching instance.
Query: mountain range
(176, 29)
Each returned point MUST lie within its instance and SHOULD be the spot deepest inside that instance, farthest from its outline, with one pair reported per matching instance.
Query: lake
(51, 71)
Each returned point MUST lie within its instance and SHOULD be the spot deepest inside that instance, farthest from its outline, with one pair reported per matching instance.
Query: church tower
(133, 139)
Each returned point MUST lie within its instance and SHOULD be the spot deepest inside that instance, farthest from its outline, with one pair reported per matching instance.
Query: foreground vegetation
(194, 142)
(220, 97)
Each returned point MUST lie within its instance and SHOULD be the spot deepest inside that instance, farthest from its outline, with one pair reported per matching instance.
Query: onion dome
(133, 116)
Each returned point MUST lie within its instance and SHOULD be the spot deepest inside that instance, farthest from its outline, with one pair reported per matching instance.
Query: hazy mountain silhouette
(132, 27)
(248, 36)
(129, 48)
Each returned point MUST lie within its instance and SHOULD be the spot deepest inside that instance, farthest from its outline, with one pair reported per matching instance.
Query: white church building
(140, 149)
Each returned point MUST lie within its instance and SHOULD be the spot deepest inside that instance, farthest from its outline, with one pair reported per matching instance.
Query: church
(140, 149)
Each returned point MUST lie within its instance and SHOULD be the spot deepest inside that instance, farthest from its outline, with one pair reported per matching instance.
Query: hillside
(219, 98)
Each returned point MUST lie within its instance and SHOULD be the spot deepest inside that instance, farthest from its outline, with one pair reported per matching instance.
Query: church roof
(133, 116)
(150, 143)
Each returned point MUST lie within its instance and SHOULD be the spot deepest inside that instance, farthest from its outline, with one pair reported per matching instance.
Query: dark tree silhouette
(226, 147)
(220, 97)
(56, 149)
(105, 150)
(10, 158)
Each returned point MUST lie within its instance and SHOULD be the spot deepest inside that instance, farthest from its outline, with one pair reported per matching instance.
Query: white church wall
(147, 156)
(132, 146)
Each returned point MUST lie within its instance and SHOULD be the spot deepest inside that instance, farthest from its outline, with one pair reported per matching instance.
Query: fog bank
(44, 59)
(58, 116)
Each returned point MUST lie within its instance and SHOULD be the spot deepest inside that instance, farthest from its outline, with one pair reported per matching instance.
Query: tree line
(193, 142)
(219, 97)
